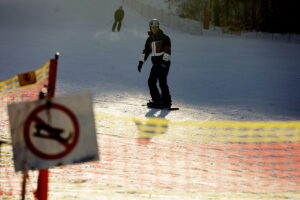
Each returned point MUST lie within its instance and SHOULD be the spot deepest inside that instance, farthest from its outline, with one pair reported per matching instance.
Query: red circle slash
(34, 118)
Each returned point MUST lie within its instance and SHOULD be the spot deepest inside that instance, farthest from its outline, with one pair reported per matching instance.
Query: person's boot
(166, 105)
(154, 104)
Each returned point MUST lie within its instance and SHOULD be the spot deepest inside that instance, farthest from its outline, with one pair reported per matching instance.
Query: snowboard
(162, 108)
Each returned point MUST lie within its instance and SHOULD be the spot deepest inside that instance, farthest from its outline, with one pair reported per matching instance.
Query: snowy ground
(211, 78)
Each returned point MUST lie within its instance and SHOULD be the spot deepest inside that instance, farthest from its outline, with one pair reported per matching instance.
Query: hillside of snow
(211, 78)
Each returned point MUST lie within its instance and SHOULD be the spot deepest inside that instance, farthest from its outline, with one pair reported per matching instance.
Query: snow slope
(211, 78)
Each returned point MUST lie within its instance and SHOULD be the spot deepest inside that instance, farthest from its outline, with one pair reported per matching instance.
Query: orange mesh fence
(24, 87)
(160, 159)
(13, 90)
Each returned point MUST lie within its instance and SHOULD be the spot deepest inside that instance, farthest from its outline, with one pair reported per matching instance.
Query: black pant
(117, 23)
(159, 73)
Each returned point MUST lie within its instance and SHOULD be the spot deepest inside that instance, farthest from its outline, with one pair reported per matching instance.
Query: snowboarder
(119, 15)
(159, 45)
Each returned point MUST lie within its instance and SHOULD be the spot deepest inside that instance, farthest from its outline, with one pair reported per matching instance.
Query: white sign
(52, 133)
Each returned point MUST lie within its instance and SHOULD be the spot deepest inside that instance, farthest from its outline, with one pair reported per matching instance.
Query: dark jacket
(157, 44)
(119, 14)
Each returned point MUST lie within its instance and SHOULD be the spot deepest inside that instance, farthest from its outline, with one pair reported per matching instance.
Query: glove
(165, 61)
(140, 65)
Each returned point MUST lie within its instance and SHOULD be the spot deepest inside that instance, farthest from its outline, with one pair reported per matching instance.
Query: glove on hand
(140, 66)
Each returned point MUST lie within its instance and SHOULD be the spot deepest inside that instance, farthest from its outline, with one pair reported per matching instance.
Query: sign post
(42, 188)
(51, 132)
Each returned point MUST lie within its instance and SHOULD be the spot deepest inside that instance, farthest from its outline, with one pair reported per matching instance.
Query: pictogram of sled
(45, 131)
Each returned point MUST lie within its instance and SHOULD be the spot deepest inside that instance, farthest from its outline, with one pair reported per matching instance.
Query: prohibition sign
(34, 118)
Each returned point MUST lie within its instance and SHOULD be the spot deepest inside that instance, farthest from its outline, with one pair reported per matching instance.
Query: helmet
(153, 22)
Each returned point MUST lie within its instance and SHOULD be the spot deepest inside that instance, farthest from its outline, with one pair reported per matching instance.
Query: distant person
(119, 15)
(159, 45)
